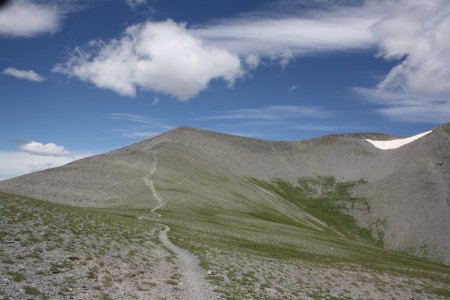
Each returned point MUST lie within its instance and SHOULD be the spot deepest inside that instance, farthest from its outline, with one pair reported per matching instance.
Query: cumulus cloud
(421, 40)
(417, 89)
(159, 56)
(23, 74)
(37, 148)
(17, 163)
(170, 58)
(24, 18)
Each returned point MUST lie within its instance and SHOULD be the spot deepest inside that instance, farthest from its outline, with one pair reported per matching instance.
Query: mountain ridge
(407, 189)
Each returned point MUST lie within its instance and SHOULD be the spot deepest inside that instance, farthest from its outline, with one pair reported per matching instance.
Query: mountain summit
(403, 193)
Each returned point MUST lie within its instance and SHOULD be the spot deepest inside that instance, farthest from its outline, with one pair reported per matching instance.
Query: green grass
(171, 282)
(29, 290)
(327, 200)
(442, 292)
(17, 276)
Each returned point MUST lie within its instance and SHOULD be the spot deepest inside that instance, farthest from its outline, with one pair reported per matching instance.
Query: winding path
(193, 284)
(149, 183)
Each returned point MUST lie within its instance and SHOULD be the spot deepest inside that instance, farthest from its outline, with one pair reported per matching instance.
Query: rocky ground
(50, 251)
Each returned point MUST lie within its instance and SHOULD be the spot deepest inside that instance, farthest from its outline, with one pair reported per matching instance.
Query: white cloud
(130, 118)
(136, 3)
(412, 32)
(271, 113)
(23, 74)
(292, 88)
(287, 35)
(158, 56)
(23, 18)
(415, 32)
(155, 100)
(252, 61)
(138, 126)
(421, 40)
(49, 149)
(136, 134)
(405, 107)
(417, 89)
(16, 163)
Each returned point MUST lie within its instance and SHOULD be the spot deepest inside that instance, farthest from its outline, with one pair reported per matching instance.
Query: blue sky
(79, 78)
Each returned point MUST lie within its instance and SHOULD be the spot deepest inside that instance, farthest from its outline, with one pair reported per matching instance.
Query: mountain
(407, 189)
(333, 204)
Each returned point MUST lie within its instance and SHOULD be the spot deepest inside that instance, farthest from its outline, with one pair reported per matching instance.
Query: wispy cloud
(280, 34)
(25, 18)
(136, 3)
(130, 118)
(292, 88)
(271, 113)
(405, 107)
(23, 74)
(420, 43)
(329, 128)
(138, 126)
(136, 134)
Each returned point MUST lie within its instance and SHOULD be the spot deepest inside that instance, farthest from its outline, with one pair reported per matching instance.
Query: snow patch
(394, 144)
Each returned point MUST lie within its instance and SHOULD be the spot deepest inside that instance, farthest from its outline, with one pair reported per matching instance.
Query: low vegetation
(312, 250)
(328, 201)
(322, 254)
(55, 251)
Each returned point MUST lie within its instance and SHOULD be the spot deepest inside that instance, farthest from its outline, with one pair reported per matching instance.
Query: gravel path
(193, 284)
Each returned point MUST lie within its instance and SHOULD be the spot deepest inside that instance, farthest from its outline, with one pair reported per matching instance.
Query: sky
(79, 78)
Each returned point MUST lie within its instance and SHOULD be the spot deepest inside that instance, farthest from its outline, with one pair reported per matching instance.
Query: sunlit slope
(115, 253)
(403, 193)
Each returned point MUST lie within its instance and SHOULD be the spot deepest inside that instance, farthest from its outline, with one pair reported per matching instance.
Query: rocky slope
(406, 191)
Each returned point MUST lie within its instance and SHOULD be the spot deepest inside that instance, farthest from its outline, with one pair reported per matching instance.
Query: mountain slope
(204, 175)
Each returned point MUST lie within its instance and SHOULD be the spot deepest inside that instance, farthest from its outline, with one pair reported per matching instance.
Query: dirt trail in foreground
(193, 284)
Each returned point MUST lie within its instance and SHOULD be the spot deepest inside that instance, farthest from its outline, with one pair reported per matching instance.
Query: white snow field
(394, 144)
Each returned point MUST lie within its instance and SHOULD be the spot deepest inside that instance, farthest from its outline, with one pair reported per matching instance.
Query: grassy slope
(328, 201)
(256, 252)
